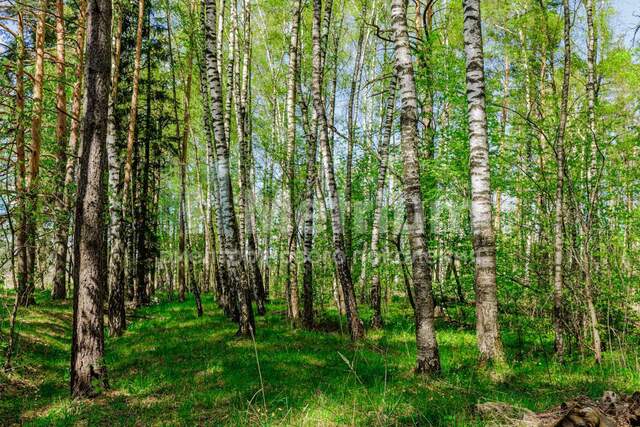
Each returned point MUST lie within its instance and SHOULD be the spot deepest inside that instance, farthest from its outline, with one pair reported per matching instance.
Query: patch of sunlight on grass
(173, 368)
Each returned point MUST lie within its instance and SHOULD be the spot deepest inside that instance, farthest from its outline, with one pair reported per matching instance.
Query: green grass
(172, 368)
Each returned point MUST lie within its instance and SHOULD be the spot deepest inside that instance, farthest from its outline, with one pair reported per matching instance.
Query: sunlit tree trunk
(504, 117)
(310, 188)
(351, 128)
(237, 272)
(76, 112)
(222, 284)
(428, 358)
(291, 282)
(558, 281)
(117, 315)
(592, 181)
(356, 327)
(246, 187)
(184, 149)
(231, 67)
(21, 170)
(59, 274)
(88, 371)
(26, 294)
(387, 127)
(484, 241)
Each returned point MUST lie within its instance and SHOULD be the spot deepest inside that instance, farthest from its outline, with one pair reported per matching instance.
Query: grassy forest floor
(172, 368)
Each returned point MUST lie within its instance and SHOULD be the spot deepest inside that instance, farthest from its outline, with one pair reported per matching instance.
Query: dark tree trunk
(88, 371)
(142, 266)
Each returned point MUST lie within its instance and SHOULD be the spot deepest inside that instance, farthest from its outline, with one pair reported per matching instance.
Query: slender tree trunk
(484, 241)
(312, 175)
(592, 180)
(141, 296)
(231, 67)
(59, 275)
(88, 371)
(193, 282)
(223, 290)
(356, 327)
(184, 228)
(355, 87)
(268, 200)
(246, 187)
(310, 186)
(291, 282)
(117, 314)
(21, 170)
(504, 116)
(127, 182)
(558, 281)
(397, 242)
(205, 211)
(387, 127)
(76, 112)
(428, 358)
(182, 261)
(237, 272)
(29, 225)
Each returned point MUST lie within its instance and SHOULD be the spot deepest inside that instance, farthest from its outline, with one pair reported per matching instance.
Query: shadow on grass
(173, 368)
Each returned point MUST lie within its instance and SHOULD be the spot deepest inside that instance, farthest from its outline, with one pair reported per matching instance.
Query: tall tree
(88, 371)
(21, 169)
(32, 181)
(484, 240)
(558, 280)
(236, 267)
(343, 272)
(184, 150)
(291, 282)
(182, 255)
(383, 152)
(131, 133)
(243, 122)
(592, 181)
(428, 358)
(74, 132)
(351, 115)
(116, 280)
(59, 277)
(141, 215)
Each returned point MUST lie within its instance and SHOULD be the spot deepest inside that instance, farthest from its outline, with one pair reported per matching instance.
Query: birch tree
(428, 357)
(383, 152)
(484, 241)
(343, 272)
(236, 267)
(291, 286)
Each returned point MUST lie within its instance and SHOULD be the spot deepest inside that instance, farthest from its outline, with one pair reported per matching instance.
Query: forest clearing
(320, 212)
